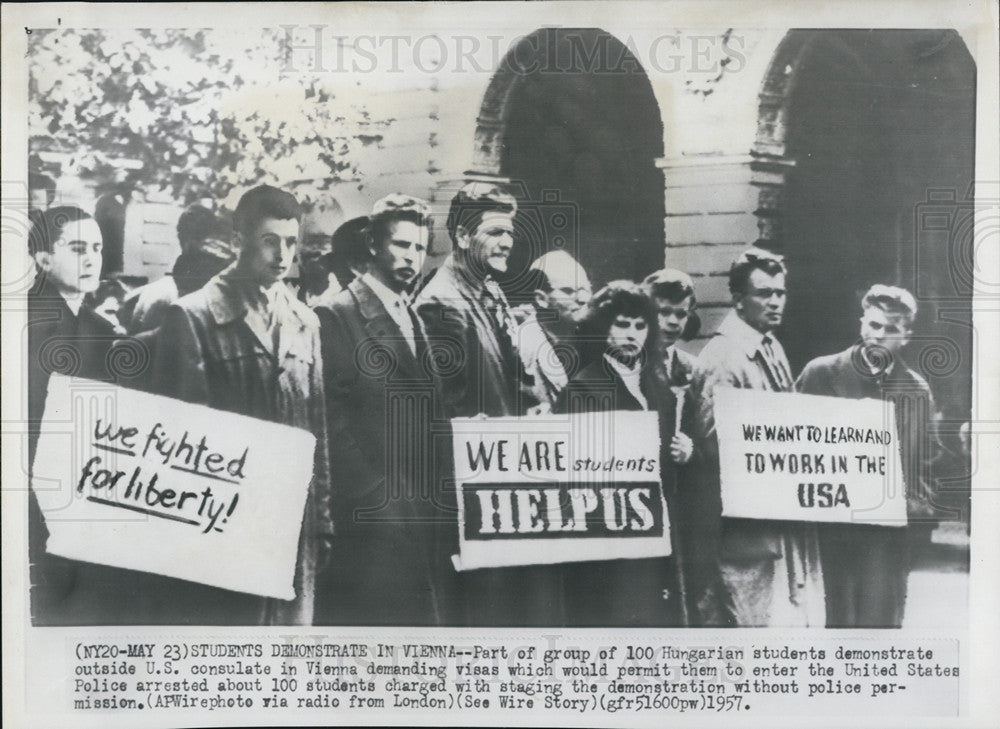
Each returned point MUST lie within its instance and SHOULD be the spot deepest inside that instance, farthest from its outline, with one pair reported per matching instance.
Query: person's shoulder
(719, 351)
(340, 302)
(306, 315)
(160, 290)
(917, 378)
(826, 363)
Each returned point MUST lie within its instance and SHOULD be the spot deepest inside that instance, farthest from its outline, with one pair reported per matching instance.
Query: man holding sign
(244, 344)
(771, 569)
(865, 566)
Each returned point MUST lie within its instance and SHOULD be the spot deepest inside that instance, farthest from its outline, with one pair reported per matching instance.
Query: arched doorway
(571, 120)
(878, 124)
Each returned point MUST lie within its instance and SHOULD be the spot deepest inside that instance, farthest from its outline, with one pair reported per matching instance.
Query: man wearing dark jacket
(866, 566)
(243, 343)
(380, 395)
(66, 337)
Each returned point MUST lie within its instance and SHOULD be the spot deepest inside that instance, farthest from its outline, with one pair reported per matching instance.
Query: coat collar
(748, 338)
(226, 297)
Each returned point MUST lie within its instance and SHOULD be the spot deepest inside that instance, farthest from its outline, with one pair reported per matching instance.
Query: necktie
(500, 311)
(402, 316)
(777, 365)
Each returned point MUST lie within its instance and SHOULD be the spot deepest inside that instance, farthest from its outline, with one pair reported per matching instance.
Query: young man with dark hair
(771, 569)
(64, 336)
(379, 395)
(866, 566)
(244, 344)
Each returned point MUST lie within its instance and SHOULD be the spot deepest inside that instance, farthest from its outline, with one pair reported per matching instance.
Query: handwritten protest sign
(584, 487)
(149, 483)
(809, 458)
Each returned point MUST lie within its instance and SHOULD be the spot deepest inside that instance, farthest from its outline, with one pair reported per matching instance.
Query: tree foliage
(201, 113)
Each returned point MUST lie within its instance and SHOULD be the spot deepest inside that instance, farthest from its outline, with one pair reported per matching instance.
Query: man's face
(399, 258)
(627, 337)
(266, 253)
(315, 241)
(569, 295)
(673, 317)
(881, 330)
(489, 245)
(74, 265)
(763, 304)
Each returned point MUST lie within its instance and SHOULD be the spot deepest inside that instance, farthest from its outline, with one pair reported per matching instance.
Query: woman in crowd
(622, 371)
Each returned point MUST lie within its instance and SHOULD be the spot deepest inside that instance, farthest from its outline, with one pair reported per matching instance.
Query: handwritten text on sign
(808, 458)
(582, 488)
(150, 483)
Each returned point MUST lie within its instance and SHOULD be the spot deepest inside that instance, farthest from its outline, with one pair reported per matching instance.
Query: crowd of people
(358, 344)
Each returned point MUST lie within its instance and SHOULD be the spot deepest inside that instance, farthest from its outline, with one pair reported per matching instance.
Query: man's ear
(738, 301)
(462, 237)
(541, 299)
(238, 240)
(43, 259)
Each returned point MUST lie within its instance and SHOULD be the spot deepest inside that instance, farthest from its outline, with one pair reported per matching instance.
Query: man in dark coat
(866, 566)
(380, 396)
(204, 238)
(465, 312)
(470, 332)
(66, 337)
(243, 343)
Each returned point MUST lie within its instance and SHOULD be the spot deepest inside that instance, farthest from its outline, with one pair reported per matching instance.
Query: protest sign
(145, 482)
(809, 458)
(584, 487)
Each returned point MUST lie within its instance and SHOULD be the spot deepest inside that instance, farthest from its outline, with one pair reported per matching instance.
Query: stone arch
(856, 131)
(579, 98)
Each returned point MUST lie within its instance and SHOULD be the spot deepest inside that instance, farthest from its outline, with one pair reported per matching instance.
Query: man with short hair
(469, 329)
(560, 289)
(64, 336)
(673, 294)
(771, 569)
(379, 401)
(866, 566)
(205, 251)
(244, 344)
(464, 310)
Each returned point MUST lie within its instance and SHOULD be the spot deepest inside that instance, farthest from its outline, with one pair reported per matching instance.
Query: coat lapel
(379, 325)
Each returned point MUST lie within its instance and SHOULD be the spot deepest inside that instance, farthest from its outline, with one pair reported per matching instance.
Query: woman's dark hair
(618, 298)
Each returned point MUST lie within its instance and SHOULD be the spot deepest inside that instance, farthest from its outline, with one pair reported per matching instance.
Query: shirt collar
(623, 369)
(230, 296)
(389, 298)
(748, 338)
